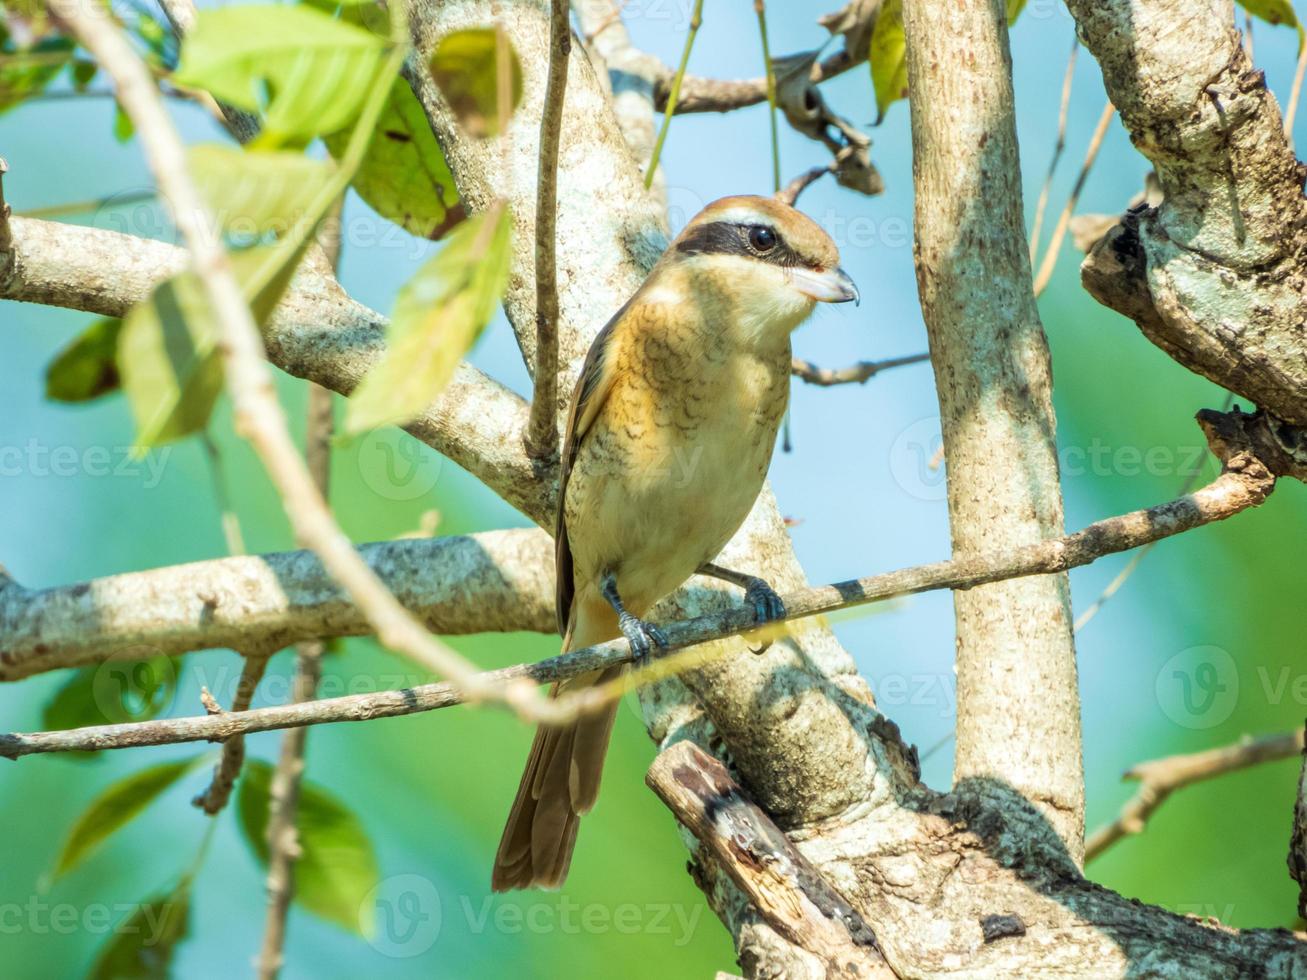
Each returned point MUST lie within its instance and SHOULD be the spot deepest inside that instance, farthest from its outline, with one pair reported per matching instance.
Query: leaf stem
(760, 9)
(696, 18)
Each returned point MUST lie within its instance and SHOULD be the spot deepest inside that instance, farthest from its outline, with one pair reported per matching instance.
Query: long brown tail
(561, 780)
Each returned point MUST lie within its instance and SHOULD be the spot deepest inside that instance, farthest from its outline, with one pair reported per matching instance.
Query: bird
(670, 432)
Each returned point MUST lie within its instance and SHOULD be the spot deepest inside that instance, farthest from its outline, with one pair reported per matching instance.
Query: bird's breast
(673, 461)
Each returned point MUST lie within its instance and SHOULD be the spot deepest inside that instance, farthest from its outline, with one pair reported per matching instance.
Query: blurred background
(1221, 607)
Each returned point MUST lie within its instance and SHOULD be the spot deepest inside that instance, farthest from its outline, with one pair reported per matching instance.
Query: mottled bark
(1214, 273)
(1018, 723)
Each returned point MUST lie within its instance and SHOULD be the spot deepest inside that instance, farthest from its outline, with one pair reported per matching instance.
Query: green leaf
(438, 315)
(306, 71)
(169, 362)
(1276, 12)
(143, 944)
(253, 193)
(25, 72)
(404, 176)
(337, 868)
(123, 127)
(465, 69)
(83, 74)
(1014, 8)
(115, 807)
(889, 58)
(167, 352)
(88, 367)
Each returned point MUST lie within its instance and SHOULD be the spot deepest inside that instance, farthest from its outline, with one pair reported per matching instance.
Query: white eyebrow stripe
(743, 216)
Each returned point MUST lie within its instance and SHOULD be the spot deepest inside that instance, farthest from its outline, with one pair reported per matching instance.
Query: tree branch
(284, 790)
(1244, 483)
(858, 373)
(780, 884)
(498, 581)
(1018, 718)
(1160, 778)
(542, 430)
(317, 333)
(1226, 244)
(228, 767)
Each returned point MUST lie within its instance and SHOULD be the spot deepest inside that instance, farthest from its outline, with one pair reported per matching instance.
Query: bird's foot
(642, 636)
(767, 605)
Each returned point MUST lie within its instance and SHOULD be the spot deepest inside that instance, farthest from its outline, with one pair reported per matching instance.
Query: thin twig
(84, 207)
(1160, 778)
(6, 233)
(1295, 93)
(1064, 219)
(696, 18)
(789, 194)
(542, 429)
(1062, 114)
(258, 414)
(858, 373)
(760, 8)
(215, 797)
(1123, 576)
(1243, 484)
(284, 792)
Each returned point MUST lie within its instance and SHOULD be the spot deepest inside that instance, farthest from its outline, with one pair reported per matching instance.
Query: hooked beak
(826, 286)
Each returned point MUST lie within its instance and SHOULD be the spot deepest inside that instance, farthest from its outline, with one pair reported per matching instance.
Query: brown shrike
(671, 430)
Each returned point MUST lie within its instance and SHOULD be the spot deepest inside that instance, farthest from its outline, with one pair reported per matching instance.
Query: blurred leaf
(88, 367)
(168, 359)
(337, 868)
(83, 74)
(156, 38)
(404, 176)
(438, 315)
(115, 807)
(1276, 12)
(118, 690)
(167, 352)
(25, 72)
(1014, 8)
(464, 67)
(305, 70)
(253, 193)
(888, 57)
(142, 945)
(123, 127)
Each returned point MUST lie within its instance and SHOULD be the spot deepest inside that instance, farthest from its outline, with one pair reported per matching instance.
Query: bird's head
(761, 262)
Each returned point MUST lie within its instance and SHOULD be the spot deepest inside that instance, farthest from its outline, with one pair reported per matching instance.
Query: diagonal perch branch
(1244, 483)
(779, 882)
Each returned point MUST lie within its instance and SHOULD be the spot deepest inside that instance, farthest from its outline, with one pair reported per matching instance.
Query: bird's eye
(762, 238)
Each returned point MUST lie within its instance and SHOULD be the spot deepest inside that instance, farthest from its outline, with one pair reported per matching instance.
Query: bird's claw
(767, 605)
(641, 636)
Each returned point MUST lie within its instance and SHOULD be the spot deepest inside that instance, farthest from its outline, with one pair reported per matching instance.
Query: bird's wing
(592, 389)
